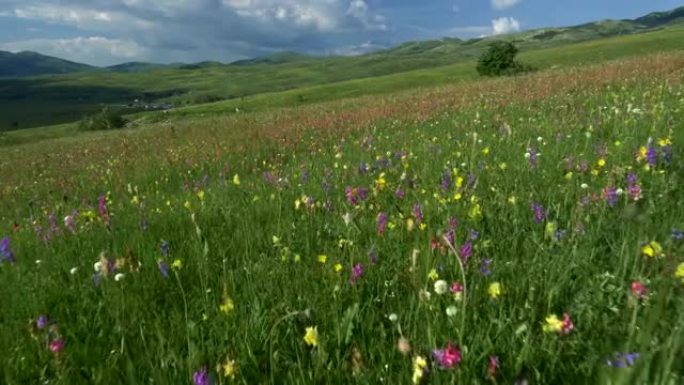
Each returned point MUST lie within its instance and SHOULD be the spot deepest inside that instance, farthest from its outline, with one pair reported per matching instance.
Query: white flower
(347, 218)
(527, 155)
(441, 287)
(393, 317)
(451, 311)
(584, 186)
(619, 191)
(540, 139)
(118, 277)
(97, 266)
(38, 261)
(73, 270)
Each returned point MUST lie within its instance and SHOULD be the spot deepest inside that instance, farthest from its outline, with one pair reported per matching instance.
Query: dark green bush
(499, 59)
(104, 120)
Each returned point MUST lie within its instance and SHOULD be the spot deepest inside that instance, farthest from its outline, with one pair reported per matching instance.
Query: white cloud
(95, 49)
(504, 4)
(504, 25)
(182, 30)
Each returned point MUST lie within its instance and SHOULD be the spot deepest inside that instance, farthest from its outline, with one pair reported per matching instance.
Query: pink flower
(449, 357)
(57, 345)
(456, 288)
(568, 326)
(639, 290)
(493, 366)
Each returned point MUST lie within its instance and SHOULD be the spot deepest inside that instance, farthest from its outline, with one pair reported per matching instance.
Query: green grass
(249, 277)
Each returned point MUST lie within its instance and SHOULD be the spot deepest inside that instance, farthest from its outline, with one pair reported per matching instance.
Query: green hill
(67, 97)
(32, 64)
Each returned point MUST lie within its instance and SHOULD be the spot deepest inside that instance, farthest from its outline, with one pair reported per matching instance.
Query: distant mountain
(276, 58)
(31, 64)
(140, 67)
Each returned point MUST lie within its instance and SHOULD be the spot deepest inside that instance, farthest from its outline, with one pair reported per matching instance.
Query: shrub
(104, 120)
(499, 59)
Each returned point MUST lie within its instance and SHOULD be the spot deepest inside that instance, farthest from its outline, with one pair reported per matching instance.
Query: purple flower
(6, 250)
(623, 360)
(484, 267)
(382, 223)
(446, 180)
(165, 248)
(453, 223)
(399, 193)
(532, 156)
(538, 212)
(631, 178)
(634, 192)
(450, 237)
(363, 168)
(373, 256)
(357, 271)
(201, 377)
(163, 268)
(610, 193)
(417, 213)
(41, 322)
(677, 234)
(651, 156)
(474, 235)
(465, 252)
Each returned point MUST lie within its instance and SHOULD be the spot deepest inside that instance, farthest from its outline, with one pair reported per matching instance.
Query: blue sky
(105, 32)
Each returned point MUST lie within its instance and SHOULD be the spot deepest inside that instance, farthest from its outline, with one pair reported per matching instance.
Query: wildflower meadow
(527, 230)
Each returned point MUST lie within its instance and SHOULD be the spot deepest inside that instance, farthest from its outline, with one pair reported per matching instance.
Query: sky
(106, 32)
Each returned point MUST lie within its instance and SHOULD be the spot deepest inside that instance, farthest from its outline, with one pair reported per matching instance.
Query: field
(503, 230)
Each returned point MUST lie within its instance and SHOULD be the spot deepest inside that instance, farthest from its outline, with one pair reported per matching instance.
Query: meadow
(499, 231)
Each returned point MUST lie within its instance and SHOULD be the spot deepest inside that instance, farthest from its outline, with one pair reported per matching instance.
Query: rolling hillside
(64, 98)
(31, 64)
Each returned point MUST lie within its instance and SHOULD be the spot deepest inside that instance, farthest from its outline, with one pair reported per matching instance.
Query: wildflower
(484, 267)
(465, 252)
(410, 225)
(6, 250)
(451, 311)
(677, 234)
(177, 264)
(475, 212)
(553, 324)
(163, 268)
(446, 180)
(311, 336)
(393, 317)
(119, 276)
(41, 322)
(639, 290)
(102, 209)
(236, 179)
(322, 258)
(227, 305)
(538, 212)
(531, 155)
(419, 369)
(201, 377)
(165, 248)
(449, 357)
(337, 267)
(432, 275)
(568, 326)
(679, 273)
(611, 196)
(56, 346)
(382, 223)
(492, 366)
(228, 368)
(418, 213)
(403, 346)
(652, 249)
(601, 163)
(623, 360)
(357, 271)
(347, 218)
(441, 287)
(456, 288)
(494, 290)
(73, 270)
(373, 257)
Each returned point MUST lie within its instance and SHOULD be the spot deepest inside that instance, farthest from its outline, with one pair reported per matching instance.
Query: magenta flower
(456, 288)
(357, 272)
(102, 209)
(382, 223)
(639, 289)
(6, 250)
(465, 252)
(417, 213)
(201, 377)
(538, 212)
(493, 366)
(449, 357)
(56, 346)
(568, 326)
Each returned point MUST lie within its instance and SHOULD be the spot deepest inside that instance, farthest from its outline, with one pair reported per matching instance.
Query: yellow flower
(475, 212)
(568, 176)
(503, 166)
(200, 195)
(187, 205)
(652, 249)
(177, 264)
(664, 142)
(311, 336)
(494, 290)
(459, 182)
(641, 155)
(485, 151)
(680, 272)
(432, 275)
(458, 196)
(227, 305)
(601, 162)
(337, 267)
(236, 179)
(135, 200)
(228, 368)
(422, 226)
(419, 365)
(410, 224)
(322, 258)
(380, 183)
(553, 324)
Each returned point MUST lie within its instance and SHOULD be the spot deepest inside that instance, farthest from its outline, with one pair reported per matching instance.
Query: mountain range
(24, 64)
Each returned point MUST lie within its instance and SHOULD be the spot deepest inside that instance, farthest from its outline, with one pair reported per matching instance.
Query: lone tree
(499, 60)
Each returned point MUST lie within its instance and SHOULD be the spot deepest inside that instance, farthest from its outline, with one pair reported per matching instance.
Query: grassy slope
(569, 55)
(146, 328)
(84, 92)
